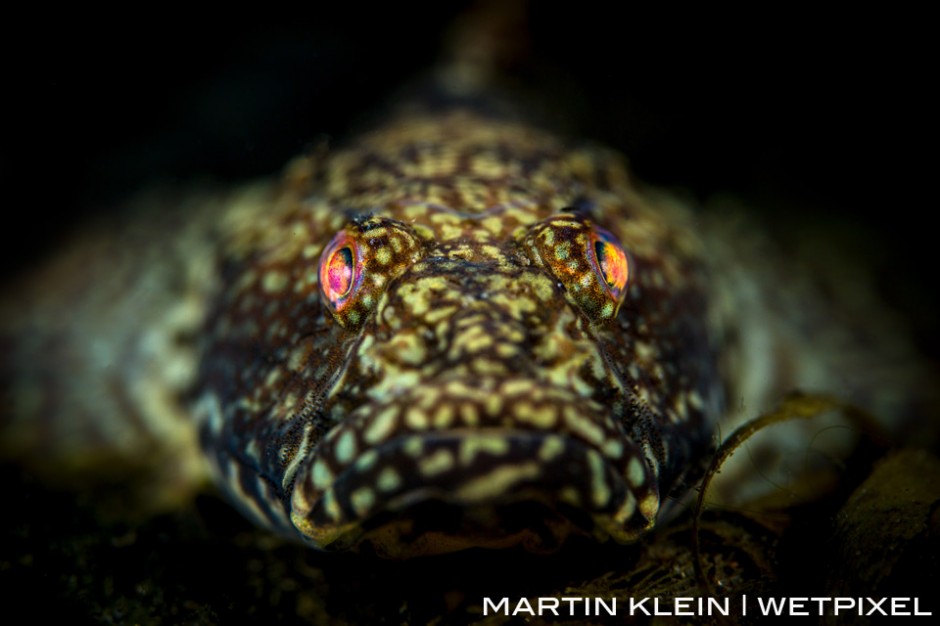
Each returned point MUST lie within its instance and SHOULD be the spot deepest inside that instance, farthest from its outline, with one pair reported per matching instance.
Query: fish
(460, 343)
(457, 330)
(436, 317)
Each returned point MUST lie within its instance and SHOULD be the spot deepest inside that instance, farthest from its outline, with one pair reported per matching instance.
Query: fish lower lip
(449, 490)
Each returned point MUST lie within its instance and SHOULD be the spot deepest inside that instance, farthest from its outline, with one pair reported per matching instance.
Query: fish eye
(610, 262)
(341, 268)
(360, 261)
(589, 262)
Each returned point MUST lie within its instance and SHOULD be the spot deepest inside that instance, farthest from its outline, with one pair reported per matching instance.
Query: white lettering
(821, 602)
(682, 606)
(571, 602)
(503, 605)
(656, 610)
(523, 606)
(876, 606)
(844, 604)
(722, 606)
(796, 606)
(772, 605)
(635, 606)
(898, 605)
(611, 610)
(546, 601)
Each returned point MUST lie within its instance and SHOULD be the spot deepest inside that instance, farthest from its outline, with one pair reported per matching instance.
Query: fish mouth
(435, 492)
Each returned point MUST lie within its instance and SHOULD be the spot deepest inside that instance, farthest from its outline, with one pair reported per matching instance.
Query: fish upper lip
(459, 452)
(603, 474)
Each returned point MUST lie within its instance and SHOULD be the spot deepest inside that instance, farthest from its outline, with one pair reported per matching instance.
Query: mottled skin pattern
(481, 386)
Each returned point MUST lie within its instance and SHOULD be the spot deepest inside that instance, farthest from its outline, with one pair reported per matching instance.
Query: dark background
(819, 116)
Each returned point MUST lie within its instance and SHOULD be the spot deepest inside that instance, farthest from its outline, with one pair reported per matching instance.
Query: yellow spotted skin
(484, 386)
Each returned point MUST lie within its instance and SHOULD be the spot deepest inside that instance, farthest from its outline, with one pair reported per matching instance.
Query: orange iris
(612, 262)
(338, 271)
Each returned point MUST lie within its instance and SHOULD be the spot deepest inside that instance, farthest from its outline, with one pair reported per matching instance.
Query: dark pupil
(340, 272)
(600, 251)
